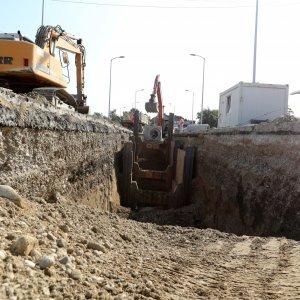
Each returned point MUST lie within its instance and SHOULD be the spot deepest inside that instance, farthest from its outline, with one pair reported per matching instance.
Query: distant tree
(114, 117)
(290, 116)
(210, 117)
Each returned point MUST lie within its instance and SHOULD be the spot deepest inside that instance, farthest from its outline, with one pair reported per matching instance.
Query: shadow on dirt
(187, 216)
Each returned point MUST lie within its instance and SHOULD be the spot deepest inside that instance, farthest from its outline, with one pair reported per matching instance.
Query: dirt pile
(63, 251)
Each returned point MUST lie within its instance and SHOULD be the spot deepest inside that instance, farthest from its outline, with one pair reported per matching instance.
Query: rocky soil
(45, 151)
(247, 180)
(66, 251)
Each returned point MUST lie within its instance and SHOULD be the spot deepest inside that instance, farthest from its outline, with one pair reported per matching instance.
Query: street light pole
(134, 104)
(43, 5)
(255, 44)
(192, 105)
(110, 82)
(203, 71)
(135, 97)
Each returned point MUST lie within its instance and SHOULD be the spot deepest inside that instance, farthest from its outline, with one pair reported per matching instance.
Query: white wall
(228, 113)
(252, 101)
(262, 103)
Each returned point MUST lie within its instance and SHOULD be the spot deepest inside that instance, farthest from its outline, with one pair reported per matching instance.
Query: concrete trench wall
(49, 153)
(247, 180)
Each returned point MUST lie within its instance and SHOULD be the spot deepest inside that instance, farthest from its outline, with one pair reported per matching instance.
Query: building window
(228, 104)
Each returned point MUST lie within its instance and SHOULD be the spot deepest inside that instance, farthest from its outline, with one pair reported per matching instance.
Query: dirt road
(98, 255)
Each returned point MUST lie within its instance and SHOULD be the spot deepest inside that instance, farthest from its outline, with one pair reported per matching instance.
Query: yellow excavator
(38, 66)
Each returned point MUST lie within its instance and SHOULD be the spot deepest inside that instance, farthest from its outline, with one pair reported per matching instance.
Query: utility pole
(255, 44)
(43, 5)
(203, 71)
(110, 82)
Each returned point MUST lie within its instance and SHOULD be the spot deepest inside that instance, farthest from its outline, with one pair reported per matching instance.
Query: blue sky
(158, 40)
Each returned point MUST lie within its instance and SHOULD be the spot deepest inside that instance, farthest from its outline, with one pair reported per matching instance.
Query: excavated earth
(66, 251)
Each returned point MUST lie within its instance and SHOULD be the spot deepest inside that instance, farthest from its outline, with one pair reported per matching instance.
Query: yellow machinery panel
(25, 65)
(43, 66)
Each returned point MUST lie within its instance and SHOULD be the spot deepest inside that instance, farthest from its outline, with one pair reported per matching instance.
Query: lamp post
(192, 105)
(110, 82)
(43, 6)
(134, 104)
(255, 44)
(135, 97)
(203, 70)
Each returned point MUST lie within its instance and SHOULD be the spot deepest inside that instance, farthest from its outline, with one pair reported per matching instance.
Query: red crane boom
(151, 105)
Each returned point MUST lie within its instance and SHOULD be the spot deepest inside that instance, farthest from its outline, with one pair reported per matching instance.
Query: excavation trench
(243, 180)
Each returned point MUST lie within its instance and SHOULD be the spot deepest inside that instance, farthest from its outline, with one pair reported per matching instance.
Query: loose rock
(51, 237)
(24, 245)
(75, 274)
(9, 193)
(2, 255)
(65, 260)
(61, 243)
(29, 264)
(65, 228)
(96, 246)
(46, 262)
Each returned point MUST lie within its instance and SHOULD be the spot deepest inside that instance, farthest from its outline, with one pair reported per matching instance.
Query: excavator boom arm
(160, 106)
(151, 105)
(49, 38)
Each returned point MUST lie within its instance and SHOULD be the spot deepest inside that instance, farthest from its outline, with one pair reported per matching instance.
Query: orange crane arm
(151, 106)
(160, 106)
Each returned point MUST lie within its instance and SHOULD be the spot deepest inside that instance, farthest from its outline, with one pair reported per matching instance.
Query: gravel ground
(66, 251)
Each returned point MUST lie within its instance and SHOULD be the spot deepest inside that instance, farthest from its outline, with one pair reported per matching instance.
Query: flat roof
(255, 84)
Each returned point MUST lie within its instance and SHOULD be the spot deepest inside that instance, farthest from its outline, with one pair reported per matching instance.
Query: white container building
(248, 103)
